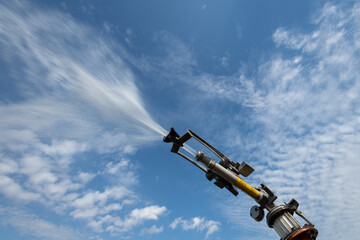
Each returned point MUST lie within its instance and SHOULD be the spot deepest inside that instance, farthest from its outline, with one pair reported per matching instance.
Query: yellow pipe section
(246, 188)
(228, 175)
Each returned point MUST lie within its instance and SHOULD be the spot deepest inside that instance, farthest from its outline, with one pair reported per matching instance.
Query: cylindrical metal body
(282, 221)
(285, 224)
(228, 175)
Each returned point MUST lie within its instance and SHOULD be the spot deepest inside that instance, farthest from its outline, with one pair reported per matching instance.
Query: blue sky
(88, 89)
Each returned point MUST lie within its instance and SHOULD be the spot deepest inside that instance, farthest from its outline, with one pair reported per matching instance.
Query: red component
(305, 233)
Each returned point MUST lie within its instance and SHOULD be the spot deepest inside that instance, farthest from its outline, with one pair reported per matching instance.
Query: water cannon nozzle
(172, 136)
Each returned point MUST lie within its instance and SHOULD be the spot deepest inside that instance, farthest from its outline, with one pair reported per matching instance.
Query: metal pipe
(228, 176)
(248, 189)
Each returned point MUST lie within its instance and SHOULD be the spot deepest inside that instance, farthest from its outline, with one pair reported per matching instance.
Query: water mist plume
(74, 78)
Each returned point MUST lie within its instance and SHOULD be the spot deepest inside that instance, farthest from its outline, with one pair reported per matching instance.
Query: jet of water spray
(72, 74)
(189, 149)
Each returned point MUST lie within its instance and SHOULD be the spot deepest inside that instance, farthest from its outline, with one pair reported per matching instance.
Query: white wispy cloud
(135, 218)
(151, 230)
(138, 216)
(173, 53)
(224, 60)
(93, 198)
(12, 189)
(30, 224)
(86, 177)
(198, 224)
